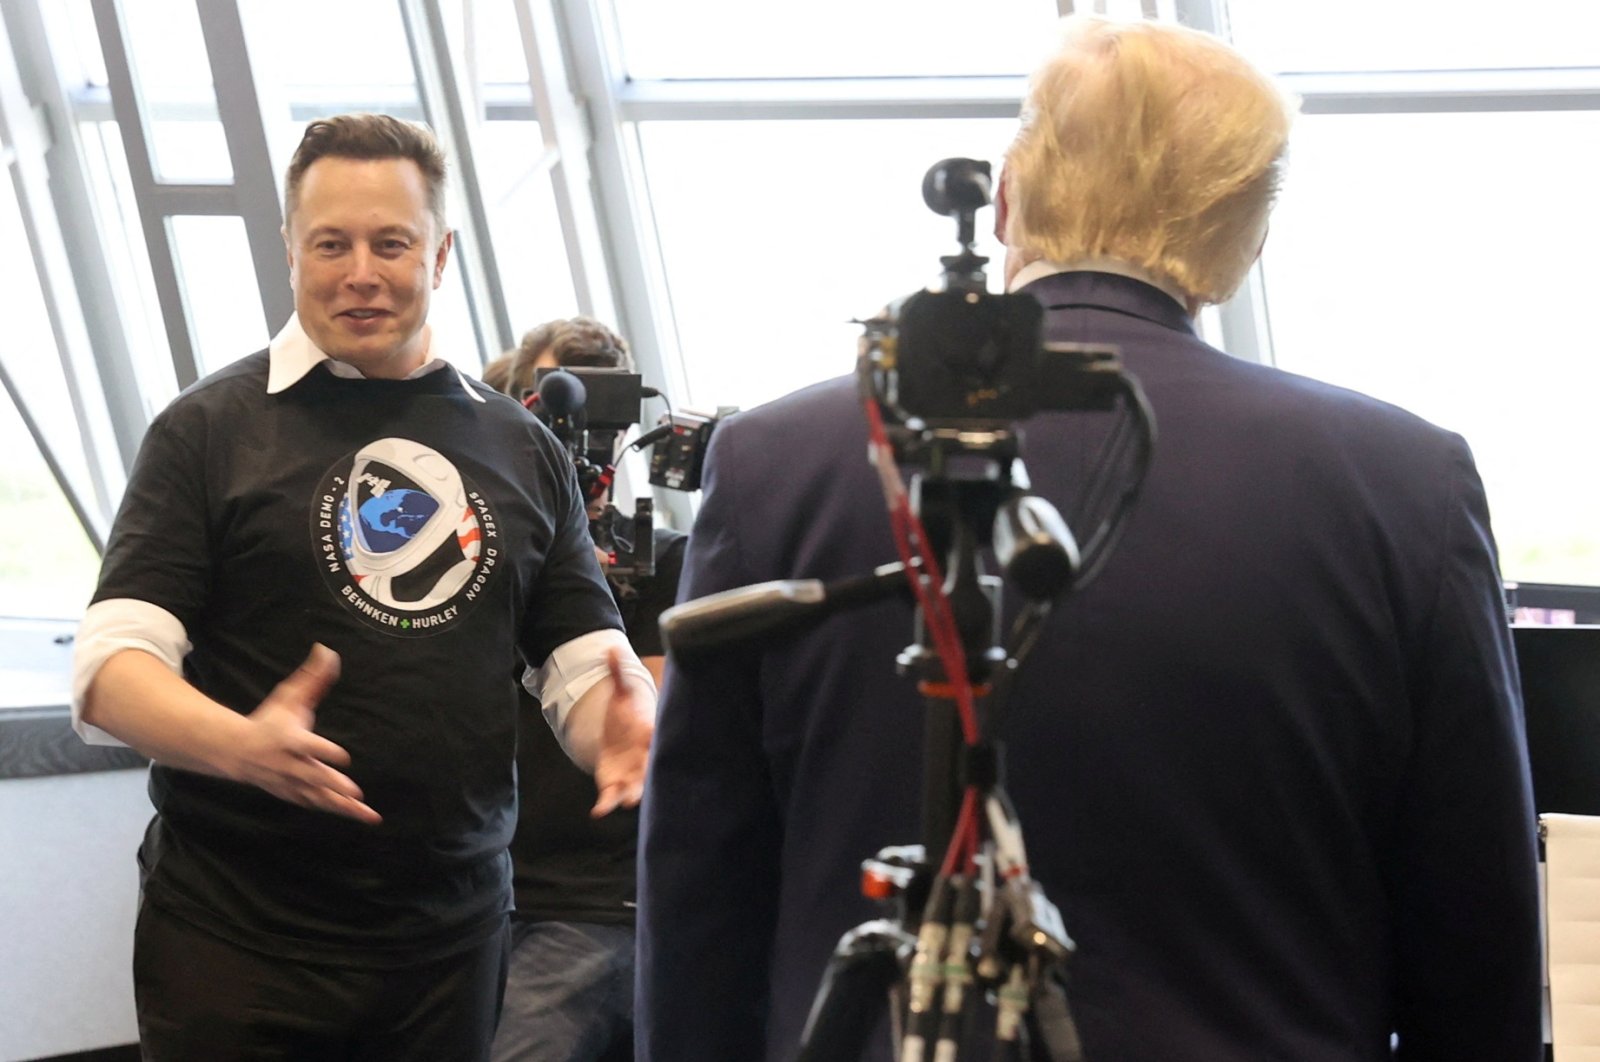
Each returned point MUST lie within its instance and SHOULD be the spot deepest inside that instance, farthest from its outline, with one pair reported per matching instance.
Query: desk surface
(36, 736)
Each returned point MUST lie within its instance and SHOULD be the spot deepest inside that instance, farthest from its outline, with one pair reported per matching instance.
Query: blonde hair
(1151, 144)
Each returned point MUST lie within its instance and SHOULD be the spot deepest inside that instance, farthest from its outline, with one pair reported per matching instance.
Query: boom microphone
(696, 631)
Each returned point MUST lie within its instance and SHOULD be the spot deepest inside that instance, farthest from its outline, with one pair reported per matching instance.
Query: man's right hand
(283, 755)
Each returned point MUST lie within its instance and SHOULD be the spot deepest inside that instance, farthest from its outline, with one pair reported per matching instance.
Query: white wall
(68, 893)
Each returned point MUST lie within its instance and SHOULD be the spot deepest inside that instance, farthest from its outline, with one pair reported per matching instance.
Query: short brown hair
(572, 341)
(368, 136)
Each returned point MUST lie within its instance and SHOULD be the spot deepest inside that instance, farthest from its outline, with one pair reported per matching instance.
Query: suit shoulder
(822, 408)
(1327, 409)
(793, 439)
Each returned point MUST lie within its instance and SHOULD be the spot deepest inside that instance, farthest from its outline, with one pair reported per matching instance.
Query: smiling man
(325, 554)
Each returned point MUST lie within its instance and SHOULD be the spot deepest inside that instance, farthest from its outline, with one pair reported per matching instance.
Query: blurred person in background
(569, 994)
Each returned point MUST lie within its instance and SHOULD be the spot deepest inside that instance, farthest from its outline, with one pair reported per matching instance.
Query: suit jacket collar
(1117, 294)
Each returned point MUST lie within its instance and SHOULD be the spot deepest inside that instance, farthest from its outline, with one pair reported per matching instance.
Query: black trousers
(203, 999)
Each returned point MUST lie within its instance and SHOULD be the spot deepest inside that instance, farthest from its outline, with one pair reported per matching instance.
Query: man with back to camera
(326, 876)
(569, 991)
(1270, 764)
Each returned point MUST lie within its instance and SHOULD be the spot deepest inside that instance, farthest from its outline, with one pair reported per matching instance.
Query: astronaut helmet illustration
(411, 537)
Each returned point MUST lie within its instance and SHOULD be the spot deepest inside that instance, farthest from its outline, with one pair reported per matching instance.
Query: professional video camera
(588, 409)
(948, 362)
(946, 377)
(679, 454)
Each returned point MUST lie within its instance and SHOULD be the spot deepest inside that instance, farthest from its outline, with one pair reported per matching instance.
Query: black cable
(1025, 632)
(1099, 546)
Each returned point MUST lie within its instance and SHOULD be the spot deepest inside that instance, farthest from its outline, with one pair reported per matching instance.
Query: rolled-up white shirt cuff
(107, 629)
(573, 668)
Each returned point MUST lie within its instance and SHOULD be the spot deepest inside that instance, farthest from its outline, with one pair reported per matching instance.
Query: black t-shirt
(421, 533)
(568, 865)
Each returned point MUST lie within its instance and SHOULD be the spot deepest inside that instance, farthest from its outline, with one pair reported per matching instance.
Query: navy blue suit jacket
(1270, 765)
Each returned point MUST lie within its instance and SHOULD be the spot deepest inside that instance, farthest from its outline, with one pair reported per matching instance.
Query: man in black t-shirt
(569, 993)
(326, 875)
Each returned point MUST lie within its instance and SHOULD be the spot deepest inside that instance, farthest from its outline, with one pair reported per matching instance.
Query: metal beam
(499, 102)
(865, 98)
(23, 130)
(987, 97)
(103, 361)
(440, 88)
(93, 525)
(621, 202)
(255, 186)
(1246, 329)
(567, 139)
(205, 199)
(1446, 91)
(128, 105)
(1208, 16)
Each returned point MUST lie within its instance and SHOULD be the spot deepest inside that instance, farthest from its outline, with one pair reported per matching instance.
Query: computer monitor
(1561, 695)
(1554, 603)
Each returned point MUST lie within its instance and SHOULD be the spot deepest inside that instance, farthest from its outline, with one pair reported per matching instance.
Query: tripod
(974, 923)
(945, 376)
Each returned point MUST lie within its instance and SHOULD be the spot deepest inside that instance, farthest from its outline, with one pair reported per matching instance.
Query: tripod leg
(854, 992)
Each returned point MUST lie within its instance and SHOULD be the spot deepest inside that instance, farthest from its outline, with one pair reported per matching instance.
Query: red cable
(929, 591)
(964, 839)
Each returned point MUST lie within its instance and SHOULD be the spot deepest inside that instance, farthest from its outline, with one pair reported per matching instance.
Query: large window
(1457, 35)
(47, 563)
(776, 234)
(1430, 248)
(1450, 277)
(514, 169)
(783, 164)
(1432, 244)
(833, 38)
(731, 192)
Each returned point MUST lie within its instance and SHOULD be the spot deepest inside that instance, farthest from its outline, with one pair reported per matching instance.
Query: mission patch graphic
(403, 538)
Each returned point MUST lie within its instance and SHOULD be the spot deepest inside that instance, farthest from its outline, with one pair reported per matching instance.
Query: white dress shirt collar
(292, 354)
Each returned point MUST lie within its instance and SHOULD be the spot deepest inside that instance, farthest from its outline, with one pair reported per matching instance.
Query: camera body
(966, 356)
(956, 371)
(609, 400)
(972, 361)
(588, 409)
(959, 360)
(677, 459)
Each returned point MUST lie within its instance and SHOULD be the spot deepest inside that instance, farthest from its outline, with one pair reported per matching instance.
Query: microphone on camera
(697, 631)
(561, 394)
